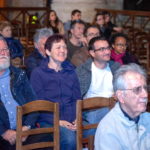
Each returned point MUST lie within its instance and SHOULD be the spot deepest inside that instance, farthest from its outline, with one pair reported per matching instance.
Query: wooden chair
(143, 50)
(35, 106)
(84, 105)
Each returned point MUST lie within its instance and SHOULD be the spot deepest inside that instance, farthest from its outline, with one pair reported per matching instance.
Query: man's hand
(10, 136)
(67, 124)
(83, 41)
(24, 128)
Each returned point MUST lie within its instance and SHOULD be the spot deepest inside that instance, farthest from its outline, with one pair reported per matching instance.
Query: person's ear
(48, 53)
(92, 53)
(113, 45)
(120, 96)
(36, 45)
(71, 31)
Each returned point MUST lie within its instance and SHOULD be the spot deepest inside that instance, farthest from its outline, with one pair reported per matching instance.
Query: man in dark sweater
(34, 60)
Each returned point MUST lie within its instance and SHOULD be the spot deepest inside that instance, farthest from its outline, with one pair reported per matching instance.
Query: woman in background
(100, 22)
(55, 23)
(119, 52)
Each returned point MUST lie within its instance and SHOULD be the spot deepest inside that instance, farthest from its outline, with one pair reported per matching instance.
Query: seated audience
(35, 58)
(100, 22)
(109, 24)
(81, 55)
(15, 90)
(55, 23)
(15, 47)
(126, 126)
(95, 78)
(77, 39)
(55, 80)
(119, 52)
(75, 15)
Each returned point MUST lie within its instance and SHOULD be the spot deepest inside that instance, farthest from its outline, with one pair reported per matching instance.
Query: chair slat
(39, 105)
(85, 105)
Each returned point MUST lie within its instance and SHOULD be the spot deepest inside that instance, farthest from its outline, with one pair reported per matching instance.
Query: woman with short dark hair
(55, 80)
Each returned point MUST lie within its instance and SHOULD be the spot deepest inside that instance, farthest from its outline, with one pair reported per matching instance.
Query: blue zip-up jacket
(61, 87)
(22, 92)
(16, 48)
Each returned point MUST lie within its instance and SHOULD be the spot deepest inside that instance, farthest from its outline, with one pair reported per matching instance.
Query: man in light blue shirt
(126, 126)
(14, 90)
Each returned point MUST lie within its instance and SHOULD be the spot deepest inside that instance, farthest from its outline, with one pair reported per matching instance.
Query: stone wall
(28, 3)
(64, 7)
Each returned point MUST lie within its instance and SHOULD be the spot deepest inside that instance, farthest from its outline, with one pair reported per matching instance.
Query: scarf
(117, 57)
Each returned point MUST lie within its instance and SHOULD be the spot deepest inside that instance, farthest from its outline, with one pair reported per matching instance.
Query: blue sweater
(61, 87)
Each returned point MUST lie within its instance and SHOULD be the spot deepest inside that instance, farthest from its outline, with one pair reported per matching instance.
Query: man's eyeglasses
(103, 49)
(121, 45)
(137, 90)
(100, 19)
(4, 50)
(93, 34)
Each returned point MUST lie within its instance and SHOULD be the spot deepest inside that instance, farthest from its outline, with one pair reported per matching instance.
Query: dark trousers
(5, 145)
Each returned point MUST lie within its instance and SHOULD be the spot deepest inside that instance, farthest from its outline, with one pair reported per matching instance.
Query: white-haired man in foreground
(127, 125)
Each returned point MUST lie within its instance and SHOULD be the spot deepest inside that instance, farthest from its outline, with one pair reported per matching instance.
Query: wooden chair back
(84, 105)
(143, 48)
(36, 106)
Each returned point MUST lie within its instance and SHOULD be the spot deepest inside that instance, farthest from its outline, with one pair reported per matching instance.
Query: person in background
(77, 39)
(35, 58)
(119, 52)
(109, 24)
(81, 55)
(15, 47)
(100, 22)
(55, 80)
(75, 15)
(126, 126)
(55, 23)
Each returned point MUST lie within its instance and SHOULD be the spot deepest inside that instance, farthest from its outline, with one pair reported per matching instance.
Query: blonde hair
(4, 24)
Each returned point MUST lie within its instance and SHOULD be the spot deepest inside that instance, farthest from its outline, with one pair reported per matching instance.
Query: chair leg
(91, 143)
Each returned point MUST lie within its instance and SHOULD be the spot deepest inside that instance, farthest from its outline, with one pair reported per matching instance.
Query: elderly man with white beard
(127, 125)
(14, 90)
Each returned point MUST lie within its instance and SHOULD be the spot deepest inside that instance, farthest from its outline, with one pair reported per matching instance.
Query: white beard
(5, 64)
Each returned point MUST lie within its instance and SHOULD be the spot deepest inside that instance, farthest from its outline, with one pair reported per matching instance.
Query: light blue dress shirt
(7, 98)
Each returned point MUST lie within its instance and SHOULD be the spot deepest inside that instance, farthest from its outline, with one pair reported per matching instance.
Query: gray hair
(119, 76)
(43, 32)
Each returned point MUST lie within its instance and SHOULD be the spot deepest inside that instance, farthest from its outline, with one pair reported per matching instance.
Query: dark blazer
(16, 48)
(33, 61)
